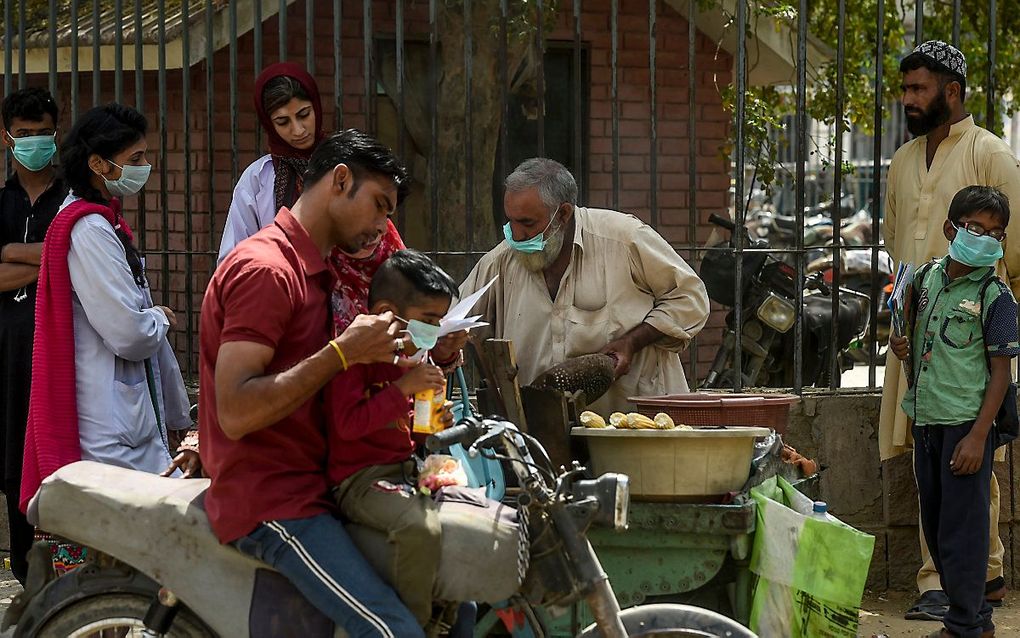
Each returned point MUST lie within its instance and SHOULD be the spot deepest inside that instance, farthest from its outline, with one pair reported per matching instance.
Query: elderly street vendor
(576, 280)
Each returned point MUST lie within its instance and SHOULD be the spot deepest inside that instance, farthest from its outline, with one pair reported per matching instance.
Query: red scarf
(354, 277)
(51, 437)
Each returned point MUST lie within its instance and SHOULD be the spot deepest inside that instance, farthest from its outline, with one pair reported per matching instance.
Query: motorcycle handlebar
(719, 220)
(463, 433)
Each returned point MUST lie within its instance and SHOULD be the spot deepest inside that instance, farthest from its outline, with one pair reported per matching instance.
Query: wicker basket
(705, 409)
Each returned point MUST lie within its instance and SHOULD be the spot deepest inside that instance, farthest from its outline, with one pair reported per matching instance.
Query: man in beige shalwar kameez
(949, 153)
(576, 280)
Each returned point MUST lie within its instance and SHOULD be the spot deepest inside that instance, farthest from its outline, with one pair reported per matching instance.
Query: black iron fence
(627, 95)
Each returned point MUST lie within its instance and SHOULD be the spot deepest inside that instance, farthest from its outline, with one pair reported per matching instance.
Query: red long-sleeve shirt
(369, 420)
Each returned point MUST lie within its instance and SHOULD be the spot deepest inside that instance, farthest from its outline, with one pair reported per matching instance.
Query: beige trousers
(928, 578)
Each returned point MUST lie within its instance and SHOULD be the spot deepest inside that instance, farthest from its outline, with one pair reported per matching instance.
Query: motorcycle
(156, 569)
(769, 297)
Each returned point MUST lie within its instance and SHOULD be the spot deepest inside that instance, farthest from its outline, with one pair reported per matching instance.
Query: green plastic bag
(811, 573)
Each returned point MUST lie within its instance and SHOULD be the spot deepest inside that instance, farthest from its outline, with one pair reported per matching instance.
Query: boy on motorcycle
(371, 464)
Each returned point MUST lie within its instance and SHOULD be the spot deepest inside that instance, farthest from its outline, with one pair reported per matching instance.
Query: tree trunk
(466, 220)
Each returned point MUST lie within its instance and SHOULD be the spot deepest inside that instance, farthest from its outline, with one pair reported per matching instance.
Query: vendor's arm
(1003, 172)
(624, 348)
(680, 308)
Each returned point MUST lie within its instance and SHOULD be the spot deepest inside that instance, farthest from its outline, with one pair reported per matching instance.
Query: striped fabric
(51, 438)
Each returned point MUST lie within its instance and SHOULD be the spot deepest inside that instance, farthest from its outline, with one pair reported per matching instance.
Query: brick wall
(165, 228)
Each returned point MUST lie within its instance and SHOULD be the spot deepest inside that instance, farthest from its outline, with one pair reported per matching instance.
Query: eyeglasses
(978, 230)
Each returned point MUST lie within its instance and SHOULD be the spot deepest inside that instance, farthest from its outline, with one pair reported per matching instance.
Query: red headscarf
(354, 276)
(288, 161)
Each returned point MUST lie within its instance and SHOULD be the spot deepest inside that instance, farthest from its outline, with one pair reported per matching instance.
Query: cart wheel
(675, 621)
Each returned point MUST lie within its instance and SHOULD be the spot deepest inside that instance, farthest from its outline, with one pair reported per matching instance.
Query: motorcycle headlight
(777, 313)
(612, 493)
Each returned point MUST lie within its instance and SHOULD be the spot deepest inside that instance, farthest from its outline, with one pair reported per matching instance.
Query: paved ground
(883, 614)
(9, 587)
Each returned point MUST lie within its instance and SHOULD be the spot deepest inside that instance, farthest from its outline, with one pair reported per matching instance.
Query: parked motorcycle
(769, 297)
(156, 569)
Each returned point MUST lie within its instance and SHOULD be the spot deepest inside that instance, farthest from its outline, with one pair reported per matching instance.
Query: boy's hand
(900, 347)
(423, 377)
(968, 455)
(446, 415)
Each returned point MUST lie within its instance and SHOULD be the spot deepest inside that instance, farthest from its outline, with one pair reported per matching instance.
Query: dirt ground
(883, 614)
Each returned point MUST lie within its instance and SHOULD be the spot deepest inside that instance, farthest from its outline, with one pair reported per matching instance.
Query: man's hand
(968, 455)
(189, 463)
(424, 377)
(170, 316)
(450, 346)
(900, 347)
(374, 339)
(622, 350)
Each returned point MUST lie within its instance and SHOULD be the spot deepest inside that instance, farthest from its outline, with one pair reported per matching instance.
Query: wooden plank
(502, 364)
(548, 412)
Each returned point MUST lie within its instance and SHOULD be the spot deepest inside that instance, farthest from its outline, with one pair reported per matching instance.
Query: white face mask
(132, 179)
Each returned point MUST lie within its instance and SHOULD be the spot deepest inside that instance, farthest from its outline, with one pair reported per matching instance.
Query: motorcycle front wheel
(119, 615)
(675, 621)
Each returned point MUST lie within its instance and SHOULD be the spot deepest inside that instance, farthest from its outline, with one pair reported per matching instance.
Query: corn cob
(640, 422)
(663, 421)
(591, 420)
(618, 420)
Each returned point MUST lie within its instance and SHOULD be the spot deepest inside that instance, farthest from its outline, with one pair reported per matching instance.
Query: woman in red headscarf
(290, 111)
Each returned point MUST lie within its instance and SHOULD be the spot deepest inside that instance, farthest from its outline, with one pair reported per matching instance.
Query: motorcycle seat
(158, 526)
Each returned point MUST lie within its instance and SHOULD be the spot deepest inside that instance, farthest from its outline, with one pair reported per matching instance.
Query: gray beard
(537, 262)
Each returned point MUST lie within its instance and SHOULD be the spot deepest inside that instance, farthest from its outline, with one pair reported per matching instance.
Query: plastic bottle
(820, 511)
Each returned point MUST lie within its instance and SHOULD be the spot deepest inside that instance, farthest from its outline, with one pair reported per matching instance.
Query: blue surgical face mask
(423, 335)
(132, 179)
(34, 152)
(974, 250)
(534, 245)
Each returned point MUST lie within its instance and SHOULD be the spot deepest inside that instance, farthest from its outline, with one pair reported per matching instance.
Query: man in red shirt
(266, 353)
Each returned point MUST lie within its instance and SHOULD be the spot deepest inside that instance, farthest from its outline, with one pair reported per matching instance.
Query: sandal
(932, 605)
(995, 591)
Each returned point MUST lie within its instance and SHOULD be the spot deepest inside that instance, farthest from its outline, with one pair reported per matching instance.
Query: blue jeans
(318, 557)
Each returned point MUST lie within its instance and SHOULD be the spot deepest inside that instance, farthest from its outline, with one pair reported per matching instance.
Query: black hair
(105, 131)
(279, 91)
(408, 277)
(360, 152)
(30, 104)
(916, 61)
(973, 199)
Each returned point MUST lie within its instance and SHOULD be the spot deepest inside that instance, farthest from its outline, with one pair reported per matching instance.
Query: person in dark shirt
(371, 464)
(28, 202)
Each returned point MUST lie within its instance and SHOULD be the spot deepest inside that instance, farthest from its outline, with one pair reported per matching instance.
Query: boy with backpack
(963, 321)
